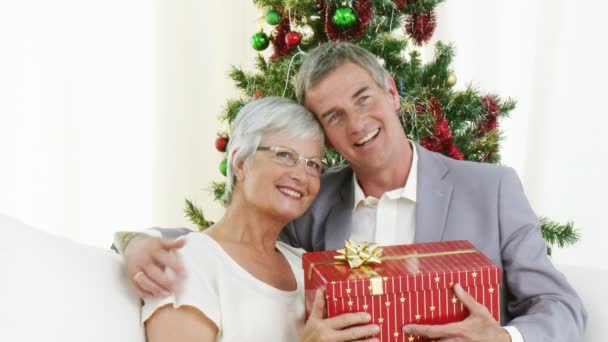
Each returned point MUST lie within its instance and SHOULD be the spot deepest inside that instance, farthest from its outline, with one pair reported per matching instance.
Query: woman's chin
(290, 214)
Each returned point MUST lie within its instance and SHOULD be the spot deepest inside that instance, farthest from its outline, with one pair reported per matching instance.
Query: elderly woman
(242, 284)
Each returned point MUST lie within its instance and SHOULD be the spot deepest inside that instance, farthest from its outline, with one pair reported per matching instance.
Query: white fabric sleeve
(199, 289)
(514, 333)
(121, 237)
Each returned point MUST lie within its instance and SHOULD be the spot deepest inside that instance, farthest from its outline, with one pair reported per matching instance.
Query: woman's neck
(243, 223)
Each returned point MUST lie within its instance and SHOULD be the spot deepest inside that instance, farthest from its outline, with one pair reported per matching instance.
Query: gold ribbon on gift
(358, 254)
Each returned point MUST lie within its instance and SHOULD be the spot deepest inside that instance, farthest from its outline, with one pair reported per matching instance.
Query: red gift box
(412, 284)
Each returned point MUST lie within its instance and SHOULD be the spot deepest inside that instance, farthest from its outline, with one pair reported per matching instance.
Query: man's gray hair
(258, 118)
(326, 58)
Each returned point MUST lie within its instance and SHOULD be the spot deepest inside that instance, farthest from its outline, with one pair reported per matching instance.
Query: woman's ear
(238, 166)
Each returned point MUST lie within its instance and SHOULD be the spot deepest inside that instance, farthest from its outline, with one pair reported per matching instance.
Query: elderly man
(396, 192)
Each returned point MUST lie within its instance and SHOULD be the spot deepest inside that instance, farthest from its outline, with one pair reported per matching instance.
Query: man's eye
(314, 165)
(333, 118)
(364, 99)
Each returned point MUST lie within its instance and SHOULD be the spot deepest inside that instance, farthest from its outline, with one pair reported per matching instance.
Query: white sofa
(53, 289)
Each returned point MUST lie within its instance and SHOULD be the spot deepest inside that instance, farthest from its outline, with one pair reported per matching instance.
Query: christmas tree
(461, 124)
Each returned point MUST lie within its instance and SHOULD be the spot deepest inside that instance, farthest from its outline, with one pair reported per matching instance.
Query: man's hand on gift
(346, 327)
(480, 326)
(146, 259)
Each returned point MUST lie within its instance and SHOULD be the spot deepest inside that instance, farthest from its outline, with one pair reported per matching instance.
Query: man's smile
(371, 135)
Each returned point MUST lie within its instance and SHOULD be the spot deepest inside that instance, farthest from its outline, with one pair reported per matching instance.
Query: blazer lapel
(339, 222)
(433, 197)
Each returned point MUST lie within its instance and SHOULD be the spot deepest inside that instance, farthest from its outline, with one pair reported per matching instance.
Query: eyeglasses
(288, 157)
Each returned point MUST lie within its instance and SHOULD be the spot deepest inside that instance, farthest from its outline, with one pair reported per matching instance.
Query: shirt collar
(409, 191)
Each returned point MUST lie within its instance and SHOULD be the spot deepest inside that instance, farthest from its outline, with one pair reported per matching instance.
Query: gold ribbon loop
(359, 253)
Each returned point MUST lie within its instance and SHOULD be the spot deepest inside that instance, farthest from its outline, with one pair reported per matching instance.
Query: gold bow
(359, 253)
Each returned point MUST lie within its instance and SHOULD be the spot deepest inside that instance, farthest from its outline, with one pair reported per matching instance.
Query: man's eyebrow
(327, 113)
(357, 93)
(362, 90)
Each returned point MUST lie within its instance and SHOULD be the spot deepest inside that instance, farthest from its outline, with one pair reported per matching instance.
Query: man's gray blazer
(482, 203)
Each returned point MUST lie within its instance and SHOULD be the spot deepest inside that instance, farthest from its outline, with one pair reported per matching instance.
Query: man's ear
(393, 93)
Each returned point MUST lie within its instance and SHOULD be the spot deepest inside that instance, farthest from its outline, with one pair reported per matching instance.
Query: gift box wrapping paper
(412, 284)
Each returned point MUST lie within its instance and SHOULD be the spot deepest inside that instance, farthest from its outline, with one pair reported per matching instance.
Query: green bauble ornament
(224, 166)
(344, 17)
(260, 41)
(273, 18)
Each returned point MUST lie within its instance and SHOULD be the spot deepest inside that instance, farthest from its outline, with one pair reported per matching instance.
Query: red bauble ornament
(421, 26)
(293, 38)
(257, 94)
(220, 143)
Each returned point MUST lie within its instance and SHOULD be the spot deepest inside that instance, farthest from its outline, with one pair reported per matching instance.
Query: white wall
(75, 125)
(108, 109)
(198, 41)
(549, 56)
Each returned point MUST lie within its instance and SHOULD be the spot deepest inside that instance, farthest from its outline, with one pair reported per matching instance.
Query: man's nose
(356, 122)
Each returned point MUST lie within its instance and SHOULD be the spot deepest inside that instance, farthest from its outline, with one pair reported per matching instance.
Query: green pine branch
(240, 78)
(232, 109)
(196, 216)
(218, 188)
(506, 106)
(332, 158)
(260, 63)
(297, 6)
(558, 234)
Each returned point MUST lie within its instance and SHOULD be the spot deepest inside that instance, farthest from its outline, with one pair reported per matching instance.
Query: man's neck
(393, 176)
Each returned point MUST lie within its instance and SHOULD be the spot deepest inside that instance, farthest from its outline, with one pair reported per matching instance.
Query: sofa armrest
(54, 289)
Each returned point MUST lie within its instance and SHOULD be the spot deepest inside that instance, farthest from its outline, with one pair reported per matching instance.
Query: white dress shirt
(391, 220)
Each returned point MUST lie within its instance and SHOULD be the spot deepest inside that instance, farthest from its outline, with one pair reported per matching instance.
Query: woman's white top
(243, 307)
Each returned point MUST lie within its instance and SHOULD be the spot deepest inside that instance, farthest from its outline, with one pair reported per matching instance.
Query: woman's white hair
(258, 118)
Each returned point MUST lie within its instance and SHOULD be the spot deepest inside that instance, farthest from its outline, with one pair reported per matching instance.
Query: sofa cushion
(54, 289)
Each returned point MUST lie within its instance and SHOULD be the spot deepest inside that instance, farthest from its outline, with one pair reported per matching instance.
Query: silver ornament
(307, 32)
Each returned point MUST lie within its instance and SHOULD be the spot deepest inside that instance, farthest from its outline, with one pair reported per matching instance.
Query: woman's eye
(283, 154)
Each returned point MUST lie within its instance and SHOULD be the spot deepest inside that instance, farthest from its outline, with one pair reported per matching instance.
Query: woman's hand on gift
(346, 327)
(479, 326)
(145, 260)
